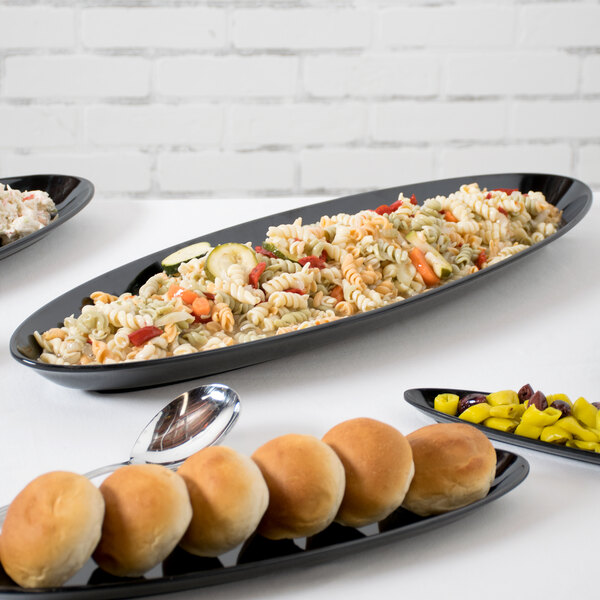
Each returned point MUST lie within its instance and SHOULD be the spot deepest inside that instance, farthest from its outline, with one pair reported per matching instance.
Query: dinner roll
(229, 497)
(455, 465)
(147, 512)
(305, 478)
(51, 529)
(379, 468)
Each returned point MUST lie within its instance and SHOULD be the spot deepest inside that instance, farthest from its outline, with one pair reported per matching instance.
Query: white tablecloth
(535, 322)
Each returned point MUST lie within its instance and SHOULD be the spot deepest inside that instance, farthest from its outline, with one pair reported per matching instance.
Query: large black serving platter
(70, 194)
(423, 399)
(259, 556)
(570, 195)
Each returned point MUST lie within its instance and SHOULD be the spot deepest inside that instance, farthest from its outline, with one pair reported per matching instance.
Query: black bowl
(70, 194)
(570, 195)
(423, 399)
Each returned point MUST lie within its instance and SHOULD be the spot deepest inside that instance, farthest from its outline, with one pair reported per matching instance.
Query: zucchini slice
(172, 262)
(225, 255)
(277, 252)
(439, 264)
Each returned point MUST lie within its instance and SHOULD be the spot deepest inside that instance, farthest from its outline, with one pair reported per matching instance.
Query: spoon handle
(104, 470)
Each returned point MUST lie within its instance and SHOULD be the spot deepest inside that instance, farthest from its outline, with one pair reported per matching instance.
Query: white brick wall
(37, 27)
(301, 28)
(152, 98)
(153, 28)
(232, 173)
(374, 75)
(82, 76)
(135, 125)
(226, 76)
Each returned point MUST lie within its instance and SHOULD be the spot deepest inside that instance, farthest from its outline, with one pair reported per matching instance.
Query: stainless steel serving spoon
(192, 421)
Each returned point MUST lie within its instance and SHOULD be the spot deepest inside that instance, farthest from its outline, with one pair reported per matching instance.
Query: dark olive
(539, 401)
(596, 404)
(470, 400)
(525, 393)
(564, 407)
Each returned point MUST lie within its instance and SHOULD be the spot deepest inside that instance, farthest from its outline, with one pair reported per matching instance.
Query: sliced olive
(539, 401)
(470, 400)
(563, 406)
(525, 392)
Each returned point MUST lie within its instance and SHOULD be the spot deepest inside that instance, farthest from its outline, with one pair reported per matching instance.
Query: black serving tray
(423, 399)
(70, 194)
(259, 556)
(570, 195)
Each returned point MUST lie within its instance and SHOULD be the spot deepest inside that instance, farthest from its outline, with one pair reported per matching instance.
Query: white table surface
(535, 322)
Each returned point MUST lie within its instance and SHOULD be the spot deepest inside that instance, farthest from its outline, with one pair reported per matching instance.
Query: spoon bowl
(194, 420)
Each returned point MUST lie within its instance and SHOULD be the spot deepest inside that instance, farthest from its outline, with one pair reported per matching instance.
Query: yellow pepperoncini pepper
(507, 411)
(555, 435)
(552, 397)
(593, 446)
(540, 418)
(501, 424)
(598, 420)
(476, 413)
(446, 403)
(529, 431)
(585, 412)
(503, 397)
(579, 431)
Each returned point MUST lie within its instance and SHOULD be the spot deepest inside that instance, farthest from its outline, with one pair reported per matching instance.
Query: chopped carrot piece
(449, 216)
(188, 296)
(427, 273)
(173, 289)
(201, 307)
(337, 292)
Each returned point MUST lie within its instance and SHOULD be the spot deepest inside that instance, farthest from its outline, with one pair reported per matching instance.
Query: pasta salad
(302, 275)
(22, 213)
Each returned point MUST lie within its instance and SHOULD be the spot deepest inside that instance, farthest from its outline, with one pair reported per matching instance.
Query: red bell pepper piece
(141, 336)
(502, 210)
(508, 191)
(295, 291)
(202, 319)
(314, 261)
(413, 199)
(256, 273)
(384, 209)
(482, 258)
(264, 252)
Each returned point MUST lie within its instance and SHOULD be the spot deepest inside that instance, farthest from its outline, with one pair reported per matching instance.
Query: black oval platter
(70, 194)
(570, 195)
(259, 556)
(423, 399)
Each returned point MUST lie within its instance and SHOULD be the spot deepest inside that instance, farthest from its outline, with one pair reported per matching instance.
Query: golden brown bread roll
(306, 485)
(455, 465)
(229, 497)
(51, 529)
(147, 512)
(379, 467)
